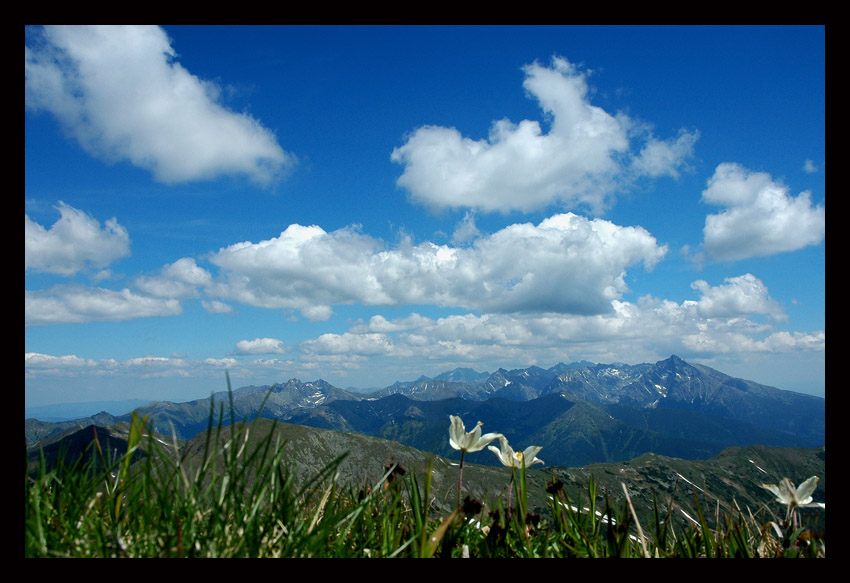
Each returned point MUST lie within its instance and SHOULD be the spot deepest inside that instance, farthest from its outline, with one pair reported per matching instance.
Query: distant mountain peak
(462, 374)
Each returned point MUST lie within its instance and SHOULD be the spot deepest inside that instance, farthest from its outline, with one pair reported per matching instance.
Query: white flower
(793, 497)
(513, 459)
(468, 442)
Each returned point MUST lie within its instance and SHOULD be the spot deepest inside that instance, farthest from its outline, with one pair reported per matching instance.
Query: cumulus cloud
(75, 242)
(260, 346)
(582, 160)
(302, 268)
(180, 279)
(76, 304)
(744, 295)
(760, 217)
(566, 263)
(120, 93)
(318, 313)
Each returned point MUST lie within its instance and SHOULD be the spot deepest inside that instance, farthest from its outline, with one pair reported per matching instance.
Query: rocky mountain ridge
(581, 413)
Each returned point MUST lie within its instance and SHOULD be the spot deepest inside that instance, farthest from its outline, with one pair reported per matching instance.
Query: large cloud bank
(566, 264)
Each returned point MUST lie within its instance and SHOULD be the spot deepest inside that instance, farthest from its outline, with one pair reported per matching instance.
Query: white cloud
(37, 364)
(466, 230)
(180, 279)
(120, 93)
(381, 325)
(302, 268)
(153, 361)
(809, 167)
(368, 344)
(645, 331)
(665, 158)
(566, 264)
(744, 295)
(582, 160)
(260, 346)
(47, 361)
(735, 341)
(78, 304)
(75, 242)
(650, 329)
(317, 313)
(224, 363)
(216, 307)
(760, 217)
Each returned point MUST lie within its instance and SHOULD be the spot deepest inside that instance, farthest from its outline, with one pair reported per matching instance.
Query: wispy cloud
(216, 307)
(809, 167)
(665, 157)
(75, 304)
(120, 93)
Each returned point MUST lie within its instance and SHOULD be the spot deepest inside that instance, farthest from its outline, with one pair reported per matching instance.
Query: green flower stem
(460, 476)
(510, 492)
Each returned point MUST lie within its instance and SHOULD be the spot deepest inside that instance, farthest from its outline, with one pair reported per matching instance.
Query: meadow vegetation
(241, 500)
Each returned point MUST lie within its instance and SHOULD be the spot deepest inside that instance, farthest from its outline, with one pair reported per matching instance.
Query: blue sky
(369, 204)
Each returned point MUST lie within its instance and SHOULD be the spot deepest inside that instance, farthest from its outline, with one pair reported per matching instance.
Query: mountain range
(581, 413)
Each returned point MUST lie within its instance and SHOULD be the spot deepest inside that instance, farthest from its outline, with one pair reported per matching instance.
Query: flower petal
(530, 455)
(806, 489)
(456, 432)
(471, 441)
